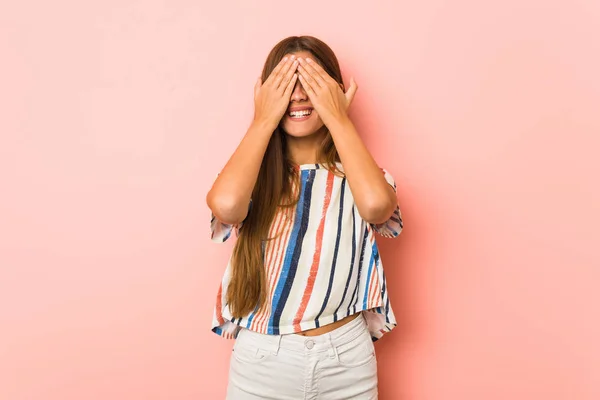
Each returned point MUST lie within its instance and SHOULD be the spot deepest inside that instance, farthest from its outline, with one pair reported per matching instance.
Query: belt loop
(332, 349)
(277, 344)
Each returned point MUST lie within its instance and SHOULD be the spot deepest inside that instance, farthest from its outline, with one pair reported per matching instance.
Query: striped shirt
(322, 266)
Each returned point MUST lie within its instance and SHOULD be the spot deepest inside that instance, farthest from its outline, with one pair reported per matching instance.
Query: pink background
(117, 115)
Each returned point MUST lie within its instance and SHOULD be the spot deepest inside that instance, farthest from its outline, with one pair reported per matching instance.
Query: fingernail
(293, 56)
(308, 60)
(284, 58)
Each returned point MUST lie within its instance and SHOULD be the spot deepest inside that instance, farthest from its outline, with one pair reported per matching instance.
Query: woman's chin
(300, 131)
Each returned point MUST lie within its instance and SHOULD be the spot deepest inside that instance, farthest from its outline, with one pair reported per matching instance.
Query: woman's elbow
(227, 209)
(378, 212)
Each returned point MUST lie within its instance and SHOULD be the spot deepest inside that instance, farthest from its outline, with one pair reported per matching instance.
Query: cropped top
(322, 266)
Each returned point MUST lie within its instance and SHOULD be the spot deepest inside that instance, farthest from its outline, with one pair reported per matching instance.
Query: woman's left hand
(325, 94)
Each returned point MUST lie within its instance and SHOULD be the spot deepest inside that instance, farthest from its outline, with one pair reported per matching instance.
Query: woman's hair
(247, 289)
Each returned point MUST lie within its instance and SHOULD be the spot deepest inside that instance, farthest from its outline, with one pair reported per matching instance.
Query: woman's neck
(305, 150)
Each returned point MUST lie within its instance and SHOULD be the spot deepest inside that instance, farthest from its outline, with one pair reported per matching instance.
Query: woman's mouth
(300, 115)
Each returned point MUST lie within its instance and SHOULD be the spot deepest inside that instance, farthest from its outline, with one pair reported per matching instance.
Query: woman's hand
(325, 93)
(272, 98)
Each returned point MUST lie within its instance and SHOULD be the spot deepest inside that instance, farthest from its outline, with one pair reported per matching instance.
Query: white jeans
(337, 365)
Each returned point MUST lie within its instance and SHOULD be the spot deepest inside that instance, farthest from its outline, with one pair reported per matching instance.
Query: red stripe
(372, 301)
(258, 320)
(271, 251)
(272, 231)
(288, 215)
(316, 257)
(270, 244)
(374, 285)
(274, 264)
(279, 252)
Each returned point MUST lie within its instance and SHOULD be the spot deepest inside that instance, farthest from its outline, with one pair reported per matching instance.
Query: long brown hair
(247, 289)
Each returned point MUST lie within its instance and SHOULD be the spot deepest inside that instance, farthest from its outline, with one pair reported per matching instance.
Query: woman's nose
(298, 94)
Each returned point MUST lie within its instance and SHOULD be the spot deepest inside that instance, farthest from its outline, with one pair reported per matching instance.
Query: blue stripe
(360, 264)
(387, 310)
(335, 314)
(383, 294)
(251, 316)
(335, 252)
(292, 255)
(371, 263)
(383, 287)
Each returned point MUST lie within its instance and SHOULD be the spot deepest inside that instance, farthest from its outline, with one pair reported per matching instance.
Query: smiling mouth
(300, 114)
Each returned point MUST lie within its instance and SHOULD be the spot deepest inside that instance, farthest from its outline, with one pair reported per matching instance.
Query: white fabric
(340, 364)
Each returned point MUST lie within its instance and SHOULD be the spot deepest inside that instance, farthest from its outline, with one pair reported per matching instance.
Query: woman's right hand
(272, 98)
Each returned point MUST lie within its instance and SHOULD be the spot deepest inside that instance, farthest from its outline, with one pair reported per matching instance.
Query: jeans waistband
(299, 343)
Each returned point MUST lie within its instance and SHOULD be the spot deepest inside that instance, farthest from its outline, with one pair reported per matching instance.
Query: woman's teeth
(299, 114)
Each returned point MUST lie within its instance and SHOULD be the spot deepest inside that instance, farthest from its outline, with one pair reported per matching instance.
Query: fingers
(310, 90)
(310, 74)
(278, 68)
(307, 80)
(318, 70)
(290, 87)
(287, 74)
(257, 87)
(279, 73)
(351, 91)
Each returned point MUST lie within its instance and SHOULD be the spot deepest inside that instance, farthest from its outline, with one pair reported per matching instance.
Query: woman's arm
(374, 197)
(230, 194)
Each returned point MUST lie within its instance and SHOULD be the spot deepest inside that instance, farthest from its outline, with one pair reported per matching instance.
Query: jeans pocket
(249, 353)
(357, 352)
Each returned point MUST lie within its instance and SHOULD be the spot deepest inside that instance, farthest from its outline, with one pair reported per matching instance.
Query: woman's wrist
(339, 124)
(263, 125)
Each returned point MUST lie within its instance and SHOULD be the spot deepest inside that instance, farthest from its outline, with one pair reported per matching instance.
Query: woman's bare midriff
(328, 328)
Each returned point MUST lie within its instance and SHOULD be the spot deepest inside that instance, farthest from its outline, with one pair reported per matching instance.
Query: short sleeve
(393, 226)
(220, 232)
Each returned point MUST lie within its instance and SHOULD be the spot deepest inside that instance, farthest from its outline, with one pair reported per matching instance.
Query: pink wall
(116, 116)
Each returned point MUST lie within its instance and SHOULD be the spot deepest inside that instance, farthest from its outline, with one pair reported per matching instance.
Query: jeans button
(310, 344)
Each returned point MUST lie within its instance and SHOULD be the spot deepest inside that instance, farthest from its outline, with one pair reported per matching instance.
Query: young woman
(304, 293)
